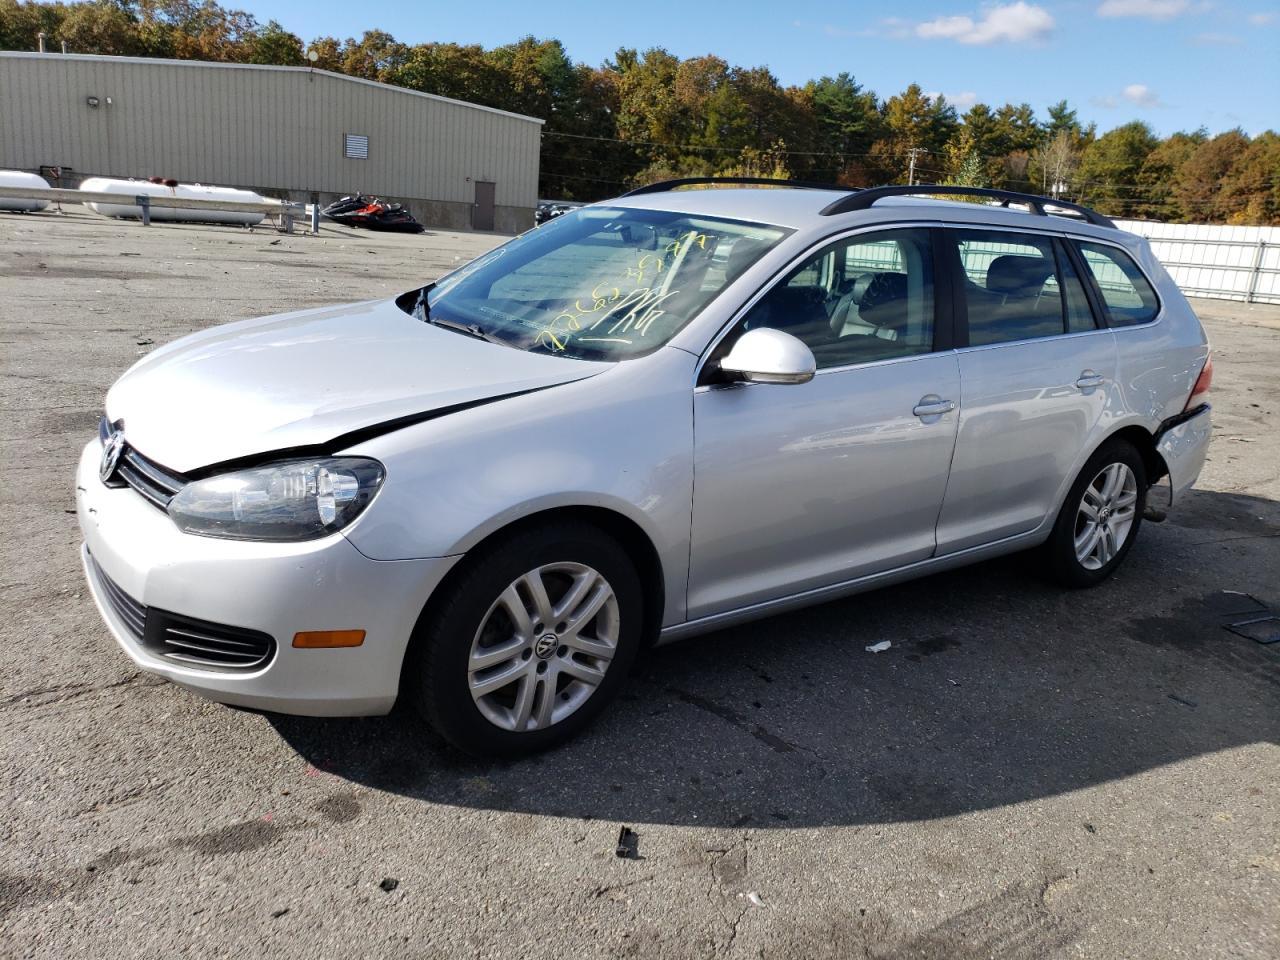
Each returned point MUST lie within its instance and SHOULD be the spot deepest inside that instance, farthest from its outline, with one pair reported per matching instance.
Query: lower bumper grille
(181, 639)
(205, 644)
(131, 613)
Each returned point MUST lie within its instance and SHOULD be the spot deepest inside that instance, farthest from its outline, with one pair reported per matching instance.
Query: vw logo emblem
(111, 451)
(546, 645)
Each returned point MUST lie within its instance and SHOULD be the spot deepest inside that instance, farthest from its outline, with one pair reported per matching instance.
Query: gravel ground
(1026, 773)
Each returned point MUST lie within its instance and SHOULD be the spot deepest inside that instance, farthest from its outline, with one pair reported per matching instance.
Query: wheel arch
(1137, 435)
(629, 534)
(1144, 441)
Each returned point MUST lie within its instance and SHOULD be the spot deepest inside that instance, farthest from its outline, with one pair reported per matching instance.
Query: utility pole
(911, 171)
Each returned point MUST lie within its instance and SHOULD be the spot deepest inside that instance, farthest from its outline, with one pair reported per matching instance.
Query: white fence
(1225, 263)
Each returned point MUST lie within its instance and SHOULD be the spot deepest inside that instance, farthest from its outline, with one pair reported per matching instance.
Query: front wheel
(534, 638)
(1100, 517)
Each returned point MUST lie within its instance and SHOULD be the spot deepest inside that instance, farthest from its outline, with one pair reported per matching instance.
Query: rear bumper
(1183, 442)
(276, 588)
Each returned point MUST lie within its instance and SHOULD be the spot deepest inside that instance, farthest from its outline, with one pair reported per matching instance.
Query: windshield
(599, 283)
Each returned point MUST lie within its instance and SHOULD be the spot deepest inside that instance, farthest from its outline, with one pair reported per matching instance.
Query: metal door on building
(482, 209)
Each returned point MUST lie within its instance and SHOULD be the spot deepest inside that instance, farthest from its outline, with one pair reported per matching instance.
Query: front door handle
(1088, 380)
(933, 406)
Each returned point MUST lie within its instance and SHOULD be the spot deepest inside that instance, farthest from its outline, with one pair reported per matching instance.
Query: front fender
(621, 441)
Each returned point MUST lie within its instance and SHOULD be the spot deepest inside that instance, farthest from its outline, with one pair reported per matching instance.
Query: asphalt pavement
(1026, 772)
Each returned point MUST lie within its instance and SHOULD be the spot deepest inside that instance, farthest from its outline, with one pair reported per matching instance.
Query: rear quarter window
(1126, 293)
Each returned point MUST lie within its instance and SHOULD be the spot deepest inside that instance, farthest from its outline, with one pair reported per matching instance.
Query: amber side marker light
(328, 639)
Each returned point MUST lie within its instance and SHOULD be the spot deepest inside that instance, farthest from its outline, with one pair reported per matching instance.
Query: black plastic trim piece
(863, 199)
(1089, 282)
(1179, 419)
(664, 186)
(948, 282)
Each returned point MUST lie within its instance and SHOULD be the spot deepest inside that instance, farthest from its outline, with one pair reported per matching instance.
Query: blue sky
(1178, 64)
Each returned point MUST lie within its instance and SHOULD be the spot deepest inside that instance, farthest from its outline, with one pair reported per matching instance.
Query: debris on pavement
(1260, 629)
(880, 647)
(388, 884)
(143, 341)
(628, 844)
(754, 897)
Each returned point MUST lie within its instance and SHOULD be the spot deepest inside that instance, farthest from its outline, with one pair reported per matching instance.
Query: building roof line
(31, 55)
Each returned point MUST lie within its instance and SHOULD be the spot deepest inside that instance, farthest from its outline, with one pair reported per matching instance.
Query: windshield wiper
(470, 329)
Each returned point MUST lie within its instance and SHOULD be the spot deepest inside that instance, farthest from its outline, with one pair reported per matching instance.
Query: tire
(1068, 560)
(560, 678)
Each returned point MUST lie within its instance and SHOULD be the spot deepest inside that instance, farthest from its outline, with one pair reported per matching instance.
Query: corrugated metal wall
(265, 127)
(1220, 262)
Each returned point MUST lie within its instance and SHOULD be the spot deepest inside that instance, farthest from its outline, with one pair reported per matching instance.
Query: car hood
(308, 378)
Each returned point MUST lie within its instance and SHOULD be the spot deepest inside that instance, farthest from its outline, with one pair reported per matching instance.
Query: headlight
(297, 500)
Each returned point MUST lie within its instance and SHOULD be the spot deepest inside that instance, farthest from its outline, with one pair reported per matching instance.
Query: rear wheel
(534, 638)
(1100, 517)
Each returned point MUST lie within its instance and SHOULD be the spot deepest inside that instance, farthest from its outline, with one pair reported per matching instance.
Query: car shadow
(997, 688)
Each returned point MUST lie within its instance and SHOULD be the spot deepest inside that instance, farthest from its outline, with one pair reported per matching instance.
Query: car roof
(801, 209)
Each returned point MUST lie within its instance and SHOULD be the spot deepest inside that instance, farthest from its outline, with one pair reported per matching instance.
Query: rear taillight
(1201, 390)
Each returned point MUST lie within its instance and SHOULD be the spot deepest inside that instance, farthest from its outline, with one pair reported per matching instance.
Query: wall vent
(355, 146)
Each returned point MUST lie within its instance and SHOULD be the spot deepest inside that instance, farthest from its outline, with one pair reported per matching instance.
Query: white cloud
(961, 101)
(1261, 19)
(1147, 9)
(1011, 23)
(1141, 95)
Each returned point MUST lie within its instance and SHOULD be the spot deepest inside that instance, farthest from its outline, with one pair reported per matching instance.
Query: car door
(800, 486)
(1036, 371)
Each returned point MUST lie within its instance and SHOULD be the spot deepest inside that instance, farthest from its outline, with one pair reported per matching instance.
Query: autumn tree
(1197, 186)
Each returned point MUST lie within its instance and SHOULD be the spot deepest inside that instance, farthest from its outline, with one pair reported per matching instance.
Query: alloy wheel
(544, 646)
(1105, 515)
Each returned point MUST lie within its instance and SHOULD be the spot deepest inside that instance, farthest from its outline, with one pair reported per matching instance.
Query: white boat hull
(129, 189)
(16, 178)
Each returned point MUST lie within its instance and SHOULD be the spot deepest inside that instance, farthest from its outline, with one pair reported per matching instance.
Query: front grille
(205, 644)
(131, 613)
(174, 637)
(154, 482)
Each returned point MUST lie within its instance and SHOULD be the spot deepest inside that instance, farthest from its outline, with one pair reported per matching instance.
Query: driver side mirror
(765, 355)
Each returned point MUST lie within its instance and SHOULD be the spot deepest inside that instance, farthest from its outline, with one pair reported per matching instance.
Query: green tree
(847, 122)
(22, 23)
(1110, 173)
(375, 56)
(273, 44)
(1062, 119)
(103, 27)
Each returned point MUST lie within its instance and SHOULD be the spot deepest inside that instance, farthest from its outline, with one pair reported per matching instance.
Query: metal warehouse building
(290, 132)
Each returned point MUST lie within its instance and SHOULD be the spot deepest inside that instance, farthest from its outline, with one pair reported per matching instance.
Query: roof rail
(863, 199)
(662, 186)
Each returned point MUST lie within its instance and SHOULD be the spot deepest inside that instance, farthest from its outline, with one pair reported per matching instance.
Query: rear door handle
(933, 406)
(1088, 380)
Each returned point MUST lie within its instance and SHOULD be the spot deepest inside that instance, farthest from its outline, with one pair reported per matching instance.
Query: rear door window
(1012, 287)
(1126, 293)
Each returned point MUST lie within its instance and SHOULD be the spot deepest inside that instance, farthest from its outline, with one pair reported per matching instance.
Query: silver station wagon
(646, 419)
